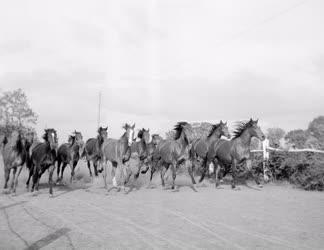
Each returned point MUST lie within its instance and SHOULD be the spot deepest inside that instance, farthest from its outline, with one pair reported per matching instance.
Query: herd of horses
(151, 151)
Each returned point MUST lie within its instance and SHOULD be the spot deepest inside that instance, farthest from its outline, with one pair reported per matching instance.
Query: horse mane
(178, 129)
(241, 127)
(213, 129)
(140, 133)
(19, 144)
(71, 139)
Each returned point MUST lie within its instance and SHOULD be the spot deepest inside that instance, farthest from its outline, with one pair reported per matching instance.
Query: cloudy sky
(160, 61)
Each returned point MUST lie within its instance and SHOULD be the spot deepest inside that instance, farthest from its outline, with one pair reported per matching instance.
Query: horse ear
(133, 126)
(256, 121)
(221, 121)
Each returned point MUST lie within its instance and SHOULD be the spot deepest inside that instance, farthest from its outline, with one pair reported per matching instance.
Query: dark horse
(200, 147)
(69, 153)
(43, 157)
(93, 148)
(173, 152)
(140, 148)
(229, 154)
(149, 162)
(15, 155)
(117, 152)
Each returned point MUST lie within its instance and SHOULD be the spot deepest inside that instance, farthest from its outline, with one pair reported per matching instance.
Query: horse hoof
(260, 186)
(51, 195)
(236, 188)
(219, 187)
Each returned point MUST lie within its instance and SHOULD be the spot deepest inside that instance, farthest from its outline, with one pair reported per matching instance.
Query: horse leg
(35, 177)
(205, 166)
(50, 179)
(163, 171)
(105, 172)
(151, 176)
(58, 170)
(255, 177)
(216, 173)
(95, 167)
(113, 175)
(174, 173)
(138, 169)
(62, 171)
(6, 175)
(31, 170)
(190, 171)
(14, 170)
(16, 179)
(89, 167)
(74, 164)
(234, 165)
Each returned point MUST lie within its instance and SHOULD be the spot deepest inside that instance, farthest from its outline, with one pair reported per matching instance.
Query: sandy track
(84, 215)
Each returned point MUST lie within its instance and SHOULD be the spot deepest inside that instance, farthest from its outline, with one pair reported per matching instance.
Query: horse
(43, 157)
(140, 148)
(15, 155)
(117, 152)
(229, 154)
(173, 152)
(93, 148)
(200, 146)
(150, 155)
(69, 153)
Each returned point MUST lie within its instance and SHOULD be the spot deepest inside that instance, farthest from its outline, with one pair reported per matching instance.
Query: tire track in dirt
(108, 228)
(225, 244)
(100, 210)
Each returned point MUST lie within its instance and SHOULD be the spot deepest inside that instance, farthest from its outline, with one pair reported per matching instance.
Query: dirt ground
(83, 215)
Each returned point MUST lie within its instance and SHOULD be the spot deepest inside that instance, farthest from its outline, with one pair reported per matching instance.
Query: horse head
(224, 129)
(144, 135)
(50, 137)
(78, 138)
(130, 131)
(184, 130)
(255, 130)
(102, 134)
(156, 139)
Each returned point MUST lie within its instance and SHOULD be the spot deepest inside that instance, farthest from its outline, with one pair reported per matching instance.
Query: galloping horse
(200, 147)
(15, 155)
(43, 157)
(93, 148)
(69, 153)
(173, 152)
(229, 154)
(140, 148)
(116, 151)
(156, 139)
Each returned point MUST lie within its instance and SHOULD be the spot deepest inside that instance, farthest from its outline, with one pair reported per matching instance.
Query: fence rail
(290, 150)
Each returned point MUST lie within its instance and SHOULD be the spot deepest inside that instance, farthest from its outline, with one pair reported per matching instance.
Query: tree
(275, 135)
(15, 111)
(297, 137)
(316, 130)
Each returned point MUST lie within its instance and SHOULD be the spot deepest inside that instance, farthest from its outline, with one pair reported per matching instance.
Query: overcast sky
(158, 62)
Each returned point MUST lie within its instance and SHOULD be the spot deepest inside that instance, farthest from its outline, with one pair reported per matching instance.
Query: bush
(305, 170)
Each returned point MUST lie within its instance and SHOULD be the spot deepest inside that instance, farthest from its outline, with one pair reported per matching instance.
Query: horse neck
(214, 137)
(245, 138)
(124, 142)
(182, 140)
(143, 144)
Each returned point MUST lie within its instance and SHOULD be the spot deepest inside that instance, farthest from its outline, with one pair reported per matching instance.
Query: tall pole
(99, 108)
